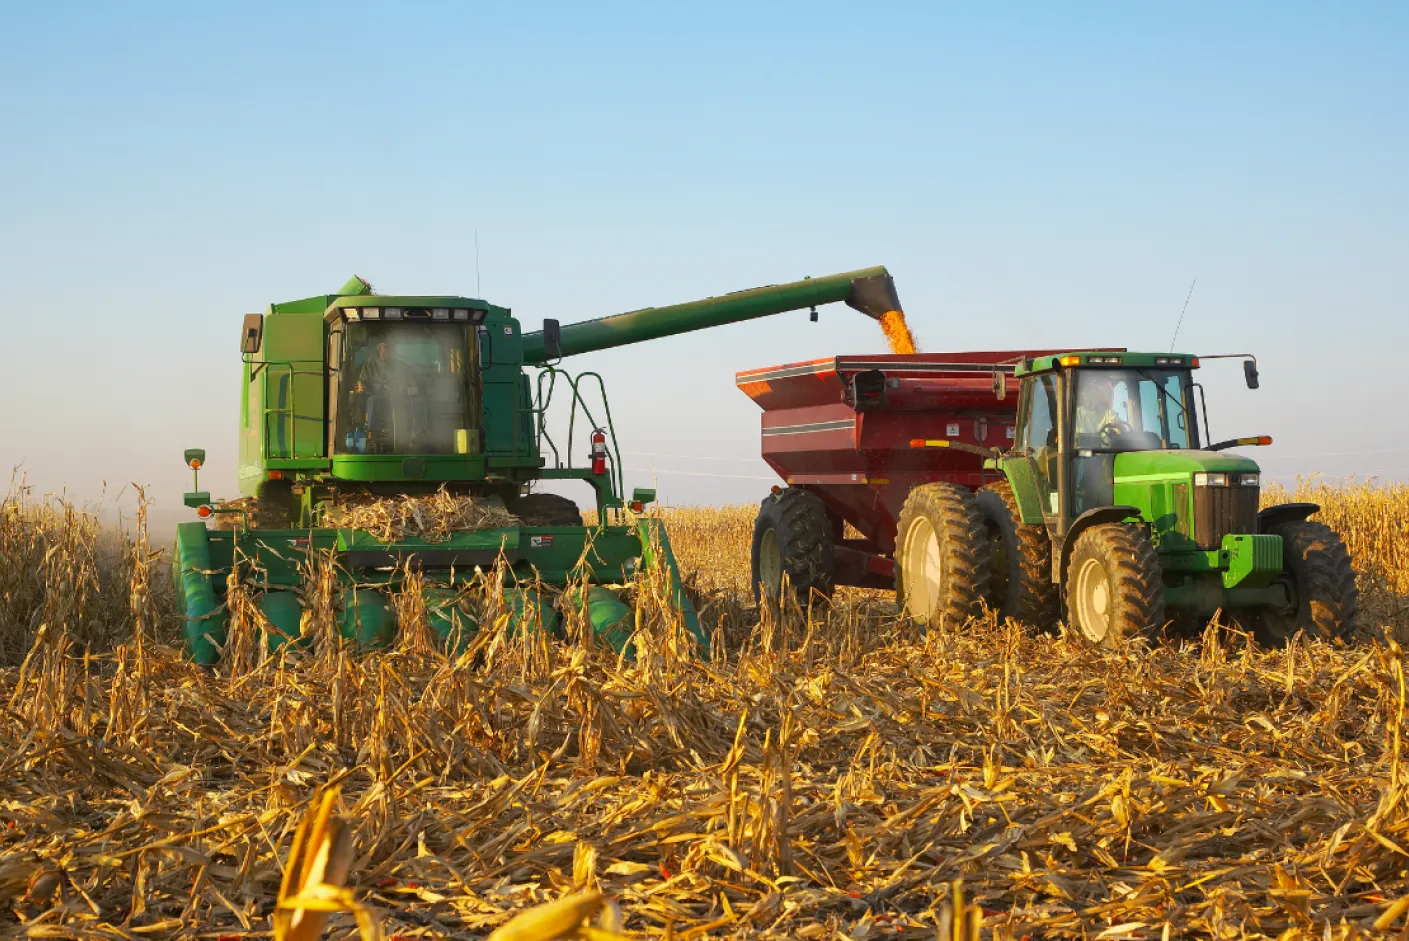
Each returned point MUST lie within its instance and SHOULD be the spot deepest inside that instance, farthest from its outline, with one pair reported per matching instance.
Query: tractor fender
(1094, 517)
(1285, 513)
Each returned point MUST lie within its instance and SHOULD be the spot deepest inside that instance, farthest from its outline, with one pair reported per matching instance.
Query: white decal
(951, 429)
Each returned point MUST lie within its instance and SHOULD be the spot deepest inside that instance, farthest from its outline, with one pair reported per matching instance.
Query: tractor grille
(1219, 511)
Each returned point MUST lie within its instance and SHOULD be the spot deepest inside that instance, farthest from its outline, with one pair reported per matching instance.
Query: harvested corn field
(833, 778)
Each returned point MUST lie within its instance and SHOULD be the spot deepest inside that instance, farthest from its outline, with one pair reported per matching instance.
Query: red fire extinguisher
(599, 452)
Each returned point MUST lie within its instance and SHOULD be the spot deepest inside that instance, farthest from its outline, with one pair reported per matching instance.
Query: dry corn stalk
(565, 918)
(315, 878)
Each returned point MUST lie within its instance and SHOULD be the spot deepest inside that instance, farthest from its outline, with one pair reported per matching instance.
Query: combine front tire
(1114, 585)
(941, 555)
(1020, 585)
(792, 536)
(1316, 562)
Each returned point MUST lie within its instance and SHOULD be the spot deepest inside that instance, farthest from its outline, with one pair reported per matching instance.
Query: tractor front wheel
(1020, 586)
(1114, 585)
(792, 536)
(1322, 582)
(941, 555)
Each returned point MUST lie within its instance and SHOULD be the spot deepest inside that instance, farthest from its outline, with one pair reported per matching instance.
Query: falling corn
(897, 332)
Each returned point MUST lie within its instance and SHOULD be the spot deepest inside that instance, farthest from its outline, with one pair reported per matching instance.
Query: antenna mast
(1175, 338)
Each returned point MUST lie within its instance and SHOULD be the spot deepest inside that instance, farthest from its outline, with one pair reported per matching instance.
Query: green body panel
(652, 323)
(1160, 485)
(1024, 487)
(1253, 560)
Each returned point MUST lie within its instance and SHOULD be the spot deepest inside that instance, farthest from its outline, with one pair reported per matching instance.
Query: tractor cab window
(404, 388)
(1134, 409)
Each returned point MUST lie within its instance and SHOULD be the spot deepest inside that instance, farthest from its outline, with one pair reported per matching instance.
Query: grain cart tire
(1020, 561)
(1315, 561)
(792, 536)
(941, 555)
(1114, 585)
(547, 509)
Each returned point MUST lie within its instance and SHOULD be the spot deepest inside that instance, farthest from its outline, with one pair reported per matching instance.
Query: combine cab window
(404, 388)
(1134, 410)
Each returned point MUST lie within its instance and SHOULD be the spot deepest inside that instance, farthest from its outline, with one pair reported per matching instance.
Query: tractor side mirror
(252, 334)
(1000, 384)
(1250, 372)
(552, 339)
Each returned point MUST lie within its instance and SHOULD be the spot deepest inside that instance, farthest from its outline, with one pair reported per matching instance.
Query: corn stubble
(824, 776)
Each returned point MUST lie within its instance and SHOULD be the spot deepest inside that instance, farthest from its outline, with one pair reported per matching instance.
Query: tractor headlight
(1210, 480)
(371, 313)
(392, 313)
(461, 314)
(1251, 480)
(440, 313)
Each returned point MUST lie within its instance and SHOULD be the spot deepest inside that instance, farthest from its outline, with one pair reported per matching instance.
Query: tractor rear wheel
(792, 536)
(941, 555)
(1020, 566)
(547, 509)
(1316, 563)
(1114, 585)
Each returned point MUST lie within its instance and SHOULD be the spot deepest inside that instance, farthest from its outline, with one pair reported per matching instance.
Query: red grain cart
(853, 436)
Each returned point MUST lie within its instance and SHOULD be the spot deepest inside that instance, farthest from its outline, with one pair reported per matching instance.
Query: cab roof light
(1069, 361)
(460, 313)
(392, 313)
(1103, 359)
(440, 313)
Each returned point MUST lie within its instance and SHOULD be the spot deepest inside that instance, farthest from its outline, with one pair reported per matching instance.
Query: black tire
(940, 544)
(1114, 585)
(1020, 561)
(547, 509)
(1322, 581)
(792, 536)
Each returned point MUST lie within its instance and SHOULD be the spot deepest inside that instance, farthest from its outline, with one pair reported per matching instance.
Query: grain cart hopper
(356, 396)
(1107, 497)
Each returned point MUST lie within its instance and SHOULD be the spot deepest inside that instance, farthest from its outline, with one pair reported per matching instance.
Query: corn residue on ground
(818, 779)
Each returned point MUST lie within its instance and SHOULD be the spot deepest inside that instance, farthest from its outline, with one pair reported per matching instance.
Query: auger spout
(869, 290)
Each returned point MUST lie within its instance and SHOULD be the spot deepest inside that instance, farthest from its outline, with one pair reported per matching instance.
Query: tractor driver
(1094, 412)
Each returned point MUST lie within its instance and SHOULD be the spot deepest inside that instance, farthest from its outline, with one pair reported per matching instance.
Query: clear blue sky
(1033, 175)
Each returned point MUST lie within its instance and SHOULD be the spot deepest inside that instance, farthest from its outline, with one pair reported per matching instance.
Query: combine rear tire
(1020, 584)
(547, 509)
(1315, 561)
(941, 555)
(792, 536)
(1114, 585)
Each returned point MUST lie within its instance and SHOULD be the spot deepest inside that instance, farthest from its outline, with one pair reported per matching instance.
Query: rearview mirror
(1000, 384)
(1250, 372)
(252, 334)
(552, 340)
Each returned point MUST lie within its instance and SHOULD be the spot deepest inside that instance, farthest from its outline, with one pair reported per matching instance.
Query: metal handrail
(287, 415)
(540, 412)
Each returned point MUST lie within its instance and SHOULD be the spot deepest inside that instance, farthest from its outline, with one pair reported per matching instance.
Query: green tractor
(357, 396)
(1112, 500)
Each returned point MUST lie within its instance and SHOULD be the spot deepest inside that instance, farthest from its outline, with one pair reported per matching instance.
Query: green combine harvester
(356, 396)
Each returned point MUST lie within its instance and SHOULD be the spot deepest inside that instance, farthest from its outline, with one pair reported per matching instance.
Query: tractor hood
(1153, 465)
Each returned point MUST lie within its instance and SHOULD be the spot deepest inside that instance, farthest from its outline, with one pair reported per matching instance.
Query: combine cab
(354, 398)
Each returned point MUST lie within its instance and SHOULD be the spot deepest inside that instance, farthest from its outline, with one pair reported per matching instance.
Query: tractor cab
(1104, 429)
